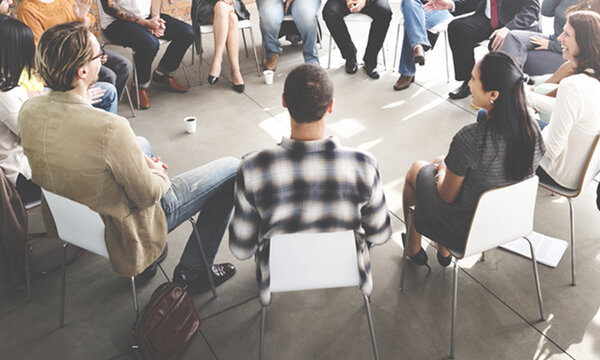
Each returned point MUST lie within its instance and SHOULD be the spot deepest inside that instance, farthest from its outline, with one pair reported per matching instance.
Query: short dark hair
(307, 92)
(61, 51)
(17, 51)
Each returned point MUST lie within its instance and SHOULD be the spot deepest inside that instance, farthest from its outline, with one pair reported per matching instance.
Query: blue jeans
(109, 100)
(116, 71)
(416, 23)
(145, 45)
(207, 191)
(303, 12)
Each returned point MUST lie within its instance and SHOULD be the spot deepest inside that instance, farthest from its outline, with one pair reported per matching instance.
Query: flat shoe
(444, 261)
(420, 258)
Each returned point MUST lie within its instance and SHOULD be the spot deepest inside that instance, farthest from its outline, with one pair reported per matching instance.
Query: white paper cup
(190, 124)
(268, 74)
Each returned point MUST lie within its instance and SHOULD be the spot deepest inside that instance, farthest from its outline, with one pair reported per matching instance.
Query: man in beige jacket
(94, 158)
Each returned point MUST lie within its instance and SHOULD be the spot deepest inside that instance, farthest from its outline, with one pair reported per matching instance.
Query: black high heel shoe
(420, 258)
(239, 88)
(212, 79)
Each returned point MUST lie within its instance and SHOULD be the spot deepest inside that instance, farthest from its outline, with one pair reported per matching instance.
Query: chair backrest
(77, 224)
(502, 215)
(303, 261)
(592, 165)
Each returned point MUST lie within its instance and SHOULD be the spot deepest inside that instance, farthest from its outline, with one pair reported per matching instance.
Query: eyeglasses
(102, 53)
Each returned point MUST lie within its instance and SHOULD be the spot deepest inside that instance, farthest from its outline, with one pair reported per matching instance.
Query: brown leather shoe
(403, 82)
(419, 55)
(143, 95)
(271, 63)
(170, 81)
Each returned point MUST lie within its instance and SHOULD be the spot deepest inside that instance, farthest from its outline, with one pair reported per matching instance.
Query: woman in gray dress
(504, 146)
(224, 16)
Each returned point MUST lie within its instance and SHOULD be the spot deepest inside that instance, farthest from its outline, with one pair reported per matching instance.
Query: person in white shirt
(139, 24)
(17, 51)
(575, 122)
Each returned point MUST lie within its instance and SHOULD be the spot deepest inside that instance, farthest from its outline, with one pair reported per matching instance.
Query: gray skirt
(433, 217)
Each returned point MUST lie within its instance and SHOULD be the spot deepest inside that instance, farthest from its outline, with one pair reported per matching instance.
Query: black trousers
(464, 35)
(333, 14)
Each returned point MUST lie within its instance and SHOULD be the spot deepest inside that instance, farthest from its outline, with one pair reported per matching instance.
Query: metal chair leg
(163, 272)
(537, 280)
(200, 53)
(136, 308)
(129, 100)
(329, 52)
(371, 328)
(263, 314)
(446, 49)
(135, 80)
(186, 75)
(245, 45)
(206, 265)
(396, 48)
(63, 285)
(572, 216)
(454, 295)
(254, 49)
(27, 274)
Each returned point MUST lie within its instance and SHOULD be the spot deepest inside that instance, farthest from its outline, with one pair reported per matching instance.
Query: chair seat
(208, 28)
(358, 17)
(443, 26)
(560, 190)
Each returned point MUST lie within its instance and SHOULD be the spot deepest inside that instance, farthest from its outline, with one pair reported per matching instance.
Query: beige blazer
(92, 157)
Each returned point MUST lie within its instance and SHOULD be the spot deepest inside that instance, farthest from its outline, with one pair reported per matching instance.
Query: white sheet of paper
(548, 250)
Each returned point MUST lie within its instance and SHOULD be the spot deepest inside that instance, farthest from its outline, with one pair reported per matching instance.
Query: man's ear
(330, 107)
(82, 72)
(283, 103)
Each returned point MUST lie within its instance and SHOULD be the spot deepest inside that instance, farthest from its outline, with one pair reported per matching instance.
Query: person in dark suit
(334, 12)
(492, 19)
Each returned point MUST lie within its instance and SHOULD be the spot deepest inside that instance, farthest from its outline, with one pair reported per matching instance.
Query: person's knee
(411, 175)
(147, 47)
(233, 19)
(221, 9)
(381, 12)
(331, 11)
(270, 15)
(187, 33)
(456, 29)
(108, 75)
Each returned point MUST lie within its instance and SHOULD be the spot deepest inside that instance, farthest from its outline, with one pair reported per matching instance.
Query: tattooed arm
(113, 9)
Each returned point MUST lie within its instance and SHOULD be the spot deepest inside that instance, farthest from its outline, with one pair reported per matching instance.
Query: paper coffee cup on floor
(268, 74)
(190, 124)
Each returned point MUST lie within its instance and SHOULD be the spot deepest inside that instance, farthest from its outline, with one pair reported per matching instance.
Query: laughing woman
(504, 146)
(575, 121)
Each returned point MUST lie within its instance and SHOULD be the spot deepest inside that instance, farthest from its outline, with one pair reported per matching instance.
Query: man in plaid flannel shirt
(309, 183)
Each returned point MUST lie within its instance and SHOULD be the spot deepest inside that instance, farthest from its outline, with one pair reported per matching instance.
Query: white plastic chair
(78, 225)
(501, 216)
(357, 18)
(289, 18)
(304, 261)
(208, 29)
(162, 42)
(592, 167)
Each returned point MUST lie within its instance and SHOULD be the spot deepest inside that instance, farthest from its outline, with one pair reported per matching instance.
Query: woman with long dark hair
(17, 51)
(504, 146)
(575, 121)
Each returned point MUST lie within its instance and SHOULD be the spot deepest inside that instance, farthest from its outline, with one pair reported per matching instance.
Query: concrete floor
(497, 308)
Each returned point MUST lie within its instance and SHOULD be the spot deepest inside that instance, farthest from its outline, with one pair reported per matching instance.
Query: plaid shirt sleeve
(244, 228)
(375, 217)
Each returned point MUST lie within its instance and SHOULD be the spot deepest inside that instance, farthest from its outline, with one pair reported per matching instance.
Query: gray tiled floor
(497, 306)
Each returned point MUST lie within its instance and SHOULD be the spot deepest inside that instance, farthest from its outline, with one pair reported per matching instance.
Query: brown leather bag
(166, 325)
